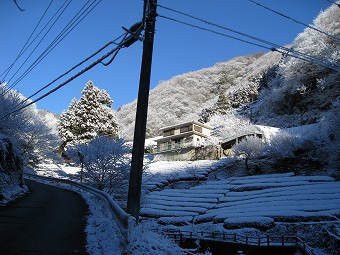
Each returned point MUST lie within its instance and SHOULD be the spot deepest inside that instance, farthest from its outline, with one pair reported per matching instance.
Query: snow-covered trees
(92, 115)
(227, 126)
(106, 162)
(183, 97)
(249, 148)
(221, 107)
(27, 129)
(302, 91)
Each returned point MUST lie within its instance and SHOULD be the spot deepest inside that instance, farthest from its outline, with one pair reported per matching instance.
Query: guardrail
(235, 238)
(304, 247)
(124, 221)
(287, 241)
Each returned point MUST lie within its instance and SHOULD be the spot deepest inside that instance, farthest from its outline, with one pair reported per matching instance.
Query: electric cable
(275, 47)
(120, 45)
(71, 69)
(296, 21)
(213, 31)
(23, 49)
(243, 34)
(62, 11)
(56, 41)
(303, 55)
(332, 2)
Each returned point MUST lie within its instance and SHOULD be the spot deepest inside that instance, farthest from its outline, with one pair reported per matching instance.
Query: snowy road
(48, 220)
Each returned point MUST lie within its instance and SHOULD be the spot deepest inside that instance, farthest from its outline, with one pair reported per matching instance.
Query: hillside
(187, 94)
(286, 91)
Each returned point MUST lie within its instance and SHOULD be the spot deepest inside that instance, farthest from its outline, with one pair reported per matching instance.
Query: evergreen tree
(221, 107)
(65, 126)
(91, 116)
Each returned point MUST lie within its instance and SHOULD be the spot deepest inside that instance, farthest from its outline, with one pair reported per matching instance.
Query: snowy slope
(280, 197)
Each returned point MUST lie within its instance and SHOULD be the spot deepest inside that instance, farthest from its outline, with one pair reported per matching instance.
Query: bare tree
(249, 148)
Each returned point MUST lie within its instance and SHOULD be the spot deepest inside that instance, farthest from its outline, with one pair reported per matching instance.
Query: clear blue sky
(177, 48)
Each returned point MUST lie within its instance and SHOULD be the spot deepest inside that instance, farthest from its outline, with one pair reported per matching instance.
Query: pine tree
(221, 107)
(91, 116)
(65, 125)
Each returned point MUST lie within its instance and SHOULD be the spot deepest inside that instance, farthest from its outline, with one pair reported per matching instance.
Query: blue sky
(177, 48)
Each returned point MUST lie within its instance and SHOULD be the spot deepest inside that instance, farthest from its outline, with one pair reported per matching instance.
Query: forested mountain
(184, 96)
(285, 91)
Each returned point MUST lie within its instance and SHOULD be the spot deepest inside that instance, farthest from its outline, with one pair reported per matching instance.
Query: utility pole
(135, 182)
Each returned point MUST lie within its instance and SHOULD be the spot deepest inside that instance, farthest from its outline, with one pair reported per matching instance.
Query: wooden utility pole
(135, 183)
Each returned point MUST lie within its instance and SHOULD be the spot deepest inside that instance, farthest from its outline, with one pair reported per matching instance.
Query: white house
(182, 141)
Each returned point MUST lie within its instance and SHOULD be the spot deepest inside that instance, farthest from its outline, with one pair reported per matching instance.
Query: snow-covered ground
(276, 197)
(239, 204)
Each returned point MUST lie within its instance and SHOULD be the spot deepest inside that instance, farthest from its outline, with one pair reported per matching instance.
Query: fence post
(223, 236)
(180, 238)
(259, 241)
(268, 240)
(283, 240)
(246, 239)
(235, 237)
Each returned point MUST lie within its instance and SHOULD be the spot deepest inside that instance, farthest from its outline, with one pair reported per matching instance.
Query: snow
(9, 192)
(248, 202)
(161, 173)
(275, 196)
(102, 233)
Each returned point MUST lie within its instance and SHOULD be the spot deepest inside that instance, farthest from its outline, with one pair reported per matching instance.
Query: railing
(304, 247)
(235, 238)
(124, 221)
(175, 146)
(290, 241)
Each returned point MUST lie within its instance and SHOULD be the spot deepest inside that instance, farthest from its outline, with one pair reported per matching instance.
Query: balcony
(176, 146)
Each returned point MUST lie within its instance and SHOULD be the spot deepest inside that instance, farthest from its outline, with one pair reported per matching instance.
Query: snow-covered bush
(226, 126)
(106, 163)
(148, 241)
(331, 130)
(259, 222)
(10, 169)
(282, 145)
(249, 148)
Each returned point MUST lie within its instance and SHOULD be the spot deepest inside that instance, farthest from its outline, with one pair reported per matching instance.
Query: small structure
(181, 142)
(262, 132)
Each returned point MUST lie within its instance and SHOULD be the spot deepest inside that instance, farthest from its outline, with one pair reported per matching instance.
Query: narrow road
(46, 221)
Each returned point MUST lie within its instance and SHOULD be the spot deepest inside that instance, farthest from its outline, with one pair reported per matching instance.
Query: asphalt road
(46, 221)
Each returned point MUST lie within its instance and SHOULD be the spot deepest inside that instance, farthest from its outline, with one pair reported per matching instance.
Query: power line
(122, 44)
(296, 21)
(49, 29)
(288, 52)
(23, 48)
(71, 25)
(332, 2)
(213, 31)
(300, 54)
(73, 68)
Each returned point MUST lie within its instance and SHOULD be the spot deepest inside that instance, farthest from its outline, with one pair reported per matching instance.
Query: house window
(186, 129)
(169, 132)
(198, 128)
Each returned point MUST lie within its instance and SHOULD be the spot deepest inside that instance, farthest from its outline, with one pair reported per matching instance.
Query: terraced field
(251, 201)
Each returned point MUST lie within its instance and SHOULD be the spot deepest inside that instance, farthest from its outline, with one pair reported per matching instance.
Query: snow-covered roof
(151, 141)
(186, 124)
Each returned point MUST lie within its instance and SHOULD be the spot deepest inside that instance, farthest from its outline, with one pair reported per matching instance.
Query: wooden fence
(288, 241)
